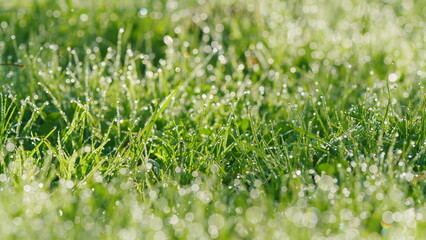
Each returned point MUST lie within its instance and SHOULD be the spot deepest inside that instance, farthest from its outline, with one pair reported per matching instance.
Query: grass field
(227, 119)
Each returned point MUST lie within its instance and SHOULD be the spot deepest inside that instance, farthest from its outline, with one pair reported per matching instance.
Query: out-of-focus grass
(212, 119)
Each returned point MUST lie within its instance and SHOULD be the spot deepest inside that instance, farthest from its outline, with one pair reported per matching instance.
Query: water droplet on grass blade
(392, 77)
(168, 40)
(142, 12)
(10, 146)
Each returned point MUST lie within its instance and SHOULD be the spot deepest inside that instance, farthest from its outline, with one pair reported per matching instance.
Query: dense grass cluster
(228, 119)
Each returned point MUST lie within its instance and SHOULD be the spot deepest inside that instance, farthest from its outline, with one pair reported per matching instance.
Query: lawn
(225, 119)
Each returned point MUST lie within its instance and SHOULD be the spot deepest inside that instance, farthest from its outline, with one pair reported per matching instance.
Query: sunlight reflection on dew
(142, 12)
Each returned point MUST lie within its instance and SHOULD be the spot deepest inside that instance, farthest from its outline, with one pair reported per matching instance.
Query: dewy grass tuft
(212, 119)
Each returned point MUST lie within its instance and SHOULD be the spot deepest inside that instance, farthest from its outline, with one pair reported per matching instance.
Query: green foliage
(212, 119)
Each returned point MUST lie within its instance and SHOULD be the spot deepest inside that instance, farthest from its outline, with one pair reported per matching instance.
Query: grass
(212, 119)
